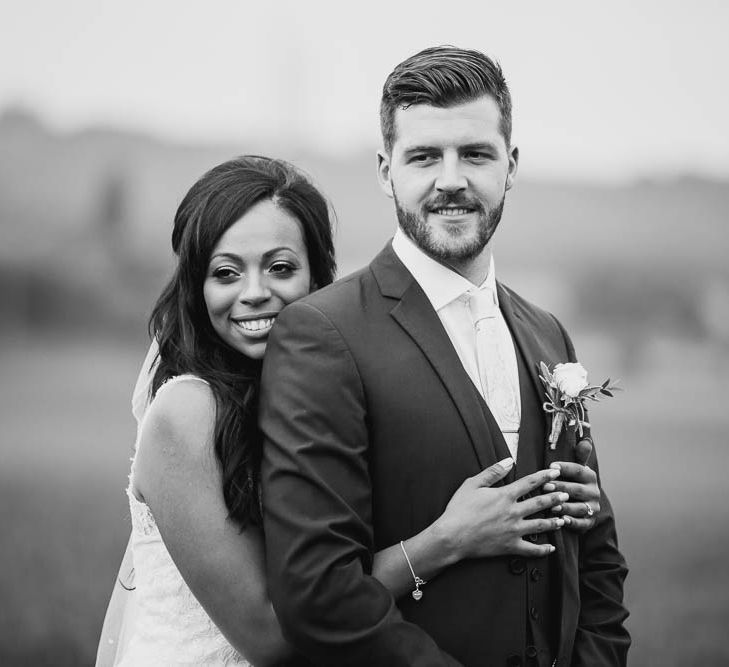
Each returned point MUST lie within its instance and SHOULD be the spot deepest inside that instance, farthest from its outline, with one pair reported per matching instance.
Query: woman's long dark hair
(180, 323)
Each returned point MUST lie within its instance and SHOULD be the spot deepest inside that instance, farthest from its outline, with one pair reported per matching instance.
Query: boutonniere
(567, 389)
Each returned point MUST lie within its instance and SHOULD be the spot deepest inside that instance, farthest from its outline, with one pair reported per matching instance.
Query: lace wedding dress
(162, 623)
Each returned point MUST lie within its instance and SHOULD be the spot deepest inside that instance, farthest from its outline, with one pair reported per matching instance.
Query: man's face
(448, 172)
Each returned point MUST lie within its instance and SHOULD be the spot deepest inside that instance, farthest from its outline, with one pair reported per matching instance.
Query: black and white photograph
(375, 334)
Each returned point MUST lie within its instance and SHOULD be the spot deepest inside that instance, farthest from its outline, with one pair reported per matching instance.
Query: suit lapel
(532, 352)
(415, 314)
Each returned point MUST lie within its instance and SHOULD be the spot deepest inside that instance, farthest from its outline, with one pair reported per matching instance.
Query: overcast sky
(602, 90)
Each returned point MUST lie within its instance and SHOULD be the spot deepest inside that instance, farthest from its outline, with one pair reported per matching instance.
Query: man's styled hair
(443, 76)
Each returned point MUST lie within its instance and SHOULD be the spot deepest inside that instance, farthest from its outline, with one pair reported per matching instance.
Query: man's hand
(580, 482)
(482, 521)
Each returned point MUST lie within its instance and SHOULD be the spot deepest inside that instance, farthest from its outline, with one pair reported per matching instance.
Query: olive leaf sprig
(566, 390)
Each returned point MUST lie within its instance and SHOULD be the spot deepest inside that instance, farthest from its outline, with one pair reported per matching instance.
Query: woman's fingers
(576, 491)
(526, 485)
(530, 550)
(533, 526)
(538, 503)
(489, 476)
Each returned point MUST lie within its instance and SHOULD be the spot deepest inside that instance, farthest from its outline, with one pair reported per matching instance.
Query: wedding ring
(590, 511)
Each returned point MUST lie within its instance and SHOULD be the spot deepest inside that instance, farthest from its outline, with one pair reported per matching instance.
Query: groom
(383, 392)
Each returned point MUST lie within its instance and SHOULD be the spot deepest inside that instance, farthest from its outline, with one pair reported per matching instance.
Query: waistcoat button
(517, 566)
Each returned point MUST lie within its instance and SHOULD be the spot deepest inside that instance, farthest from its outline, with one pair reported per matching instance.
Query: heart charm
(417, 594)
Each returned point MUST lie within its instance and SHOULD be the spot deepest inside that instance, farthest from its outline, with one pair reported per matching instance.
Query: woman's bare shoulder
(180, 421)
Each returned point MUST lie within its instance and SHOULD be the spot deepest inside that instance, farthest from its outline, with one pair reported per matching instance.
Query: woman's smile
(256, 326)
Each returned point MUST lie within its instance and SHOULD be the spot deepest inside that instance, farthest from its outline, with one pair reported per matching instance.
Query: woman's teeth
(256, 325)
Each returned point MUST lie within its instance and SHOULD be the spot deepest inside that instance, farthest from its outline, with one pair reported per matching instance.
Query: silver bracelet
(417, 593)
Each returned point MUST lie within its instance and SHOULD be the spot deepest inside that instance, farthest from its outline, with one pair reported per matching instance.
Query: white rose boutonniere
(567, 389)
(570, 379)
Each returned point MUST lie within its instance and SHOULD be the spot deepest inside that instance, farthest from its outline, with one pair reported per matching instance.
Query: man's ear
(513, 166)
(384, 175)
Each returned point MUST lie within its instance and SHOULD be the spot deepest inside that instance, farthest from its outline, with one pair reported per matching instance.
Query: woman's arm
(178, 476)
(479, 521)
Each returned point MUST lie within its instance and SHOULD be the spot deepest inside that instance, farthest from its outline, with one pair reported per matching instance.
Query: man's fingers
(489, 476)
(578, 525)
(538, 503)
(574, 471)
(583, 450)
(578, 510)
(525, 485)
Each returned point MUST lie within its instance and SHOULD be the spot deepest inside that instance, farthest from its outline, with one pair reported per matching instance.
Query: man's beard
(457, 248)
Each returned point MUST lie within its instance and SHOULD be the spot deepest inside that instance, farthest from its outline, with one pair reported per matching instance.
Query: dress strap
(182, 378)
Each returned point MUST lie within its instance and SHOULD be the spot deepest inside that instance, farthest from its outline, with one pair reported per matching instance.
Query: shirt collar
(440, 284)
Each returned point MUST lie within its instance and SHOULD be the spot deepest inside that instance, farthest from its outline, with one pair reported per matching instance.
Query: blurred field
(66, 438)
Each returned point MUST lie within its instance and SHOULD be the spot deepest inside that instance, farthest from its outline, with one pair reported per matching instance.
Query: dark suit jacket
(371, 423)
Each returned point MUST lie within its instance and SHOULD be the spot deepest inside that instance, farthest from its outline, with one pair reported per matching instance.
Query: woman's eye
(225, 273)
(281, 268)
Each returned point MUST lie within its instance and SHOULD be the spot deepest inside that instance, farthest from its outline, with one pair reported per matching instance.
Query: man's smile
(452, 211)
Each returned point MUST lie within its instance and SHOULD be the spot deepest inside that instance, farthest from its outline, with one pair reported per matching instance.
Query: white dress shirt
(450, 295)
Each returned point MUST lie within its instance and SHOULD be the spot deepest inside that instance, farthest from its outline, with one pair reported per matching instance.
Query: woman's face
(258, 266)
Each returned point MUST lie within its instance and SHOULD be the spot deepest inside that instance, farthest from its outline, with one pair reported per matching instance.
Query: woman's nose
(256, 291)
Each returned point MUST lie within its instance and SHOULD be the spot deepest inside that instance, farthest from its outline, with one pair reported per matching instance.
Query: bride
(251, 236)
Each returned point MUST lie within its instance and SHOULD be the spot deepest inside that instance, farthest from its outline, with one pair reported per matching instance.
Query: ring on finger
(590, 511)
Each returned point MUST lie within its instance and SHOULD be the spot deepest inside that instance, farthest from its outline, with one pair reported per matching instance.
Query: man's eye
(421, 158)
(476, 155)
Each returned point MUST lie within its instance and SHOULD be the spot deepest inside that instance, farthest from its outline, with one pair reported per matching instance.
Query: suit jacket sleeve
(317, 504)
(602, 638)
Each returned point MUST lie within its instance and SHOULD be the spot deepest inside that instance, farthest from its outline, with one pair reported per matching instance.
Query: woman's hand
(478, 521)
(580, 482)
(482, 521)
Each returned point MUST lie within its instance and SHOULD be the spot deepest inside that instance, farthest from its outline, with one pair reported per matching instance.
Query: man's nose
(255, 291)
(450, 177)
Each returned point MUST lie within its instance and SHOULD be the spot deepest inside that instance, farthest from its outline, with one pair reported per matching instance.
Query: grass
(64, 450)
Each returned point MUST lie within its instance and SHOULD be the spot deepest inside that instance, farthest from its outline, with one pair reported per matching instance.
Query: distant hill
(96, 205)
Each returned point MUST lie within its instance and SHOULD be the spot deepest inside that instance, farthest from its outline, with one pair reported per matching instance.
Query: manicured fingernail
(554, 473)
(550, 487)
(568, 520)
(559, 522)
(507, 463)
(557, 508)
(555, 466)
(552, 548)
(564, 497)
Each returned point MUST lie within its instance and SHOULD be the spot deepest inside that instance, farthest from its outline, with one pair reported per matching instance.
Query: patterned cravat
(499, 384)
